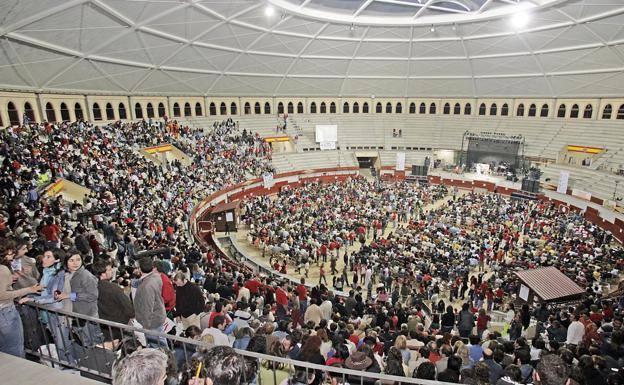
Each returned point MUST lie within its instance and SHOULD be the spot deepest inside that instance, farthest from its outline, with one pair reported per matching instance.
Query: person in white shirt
(326, 309)
(217, 331)
(243, 295)
(576, 331)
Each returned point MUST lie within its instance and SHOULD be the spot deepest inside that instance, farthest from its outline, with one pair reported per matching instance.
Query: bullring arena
(312, 192)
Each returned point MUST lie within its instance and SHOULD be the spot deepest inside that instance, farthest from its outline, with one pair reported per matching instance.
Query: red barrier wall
(591, 214)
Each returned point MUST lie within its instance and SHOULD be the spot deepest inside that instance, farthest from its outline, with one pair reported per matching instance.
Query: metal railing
(91, 345)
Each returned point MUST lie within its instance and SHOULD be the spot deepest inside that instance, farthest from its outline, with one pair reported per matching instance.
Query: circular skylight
(407, 12)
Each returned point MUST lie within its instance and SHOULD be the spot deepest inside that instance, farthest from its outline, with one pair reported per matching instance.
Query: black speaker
(419, 170)
(530, 185)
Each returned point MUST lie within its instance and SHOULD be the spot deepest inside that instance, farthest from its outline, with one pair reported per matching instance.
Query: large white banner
(326, 133)
(562, 187)
(327, 145)
(400, 161)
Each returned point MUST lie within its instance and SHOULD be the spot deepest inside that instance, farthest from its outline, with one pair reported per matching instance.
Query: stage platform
(19, 371)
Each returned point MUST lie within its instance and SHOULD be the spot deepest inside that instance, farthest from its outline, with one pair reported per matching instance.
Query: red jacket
(168, 292)
(281, 297)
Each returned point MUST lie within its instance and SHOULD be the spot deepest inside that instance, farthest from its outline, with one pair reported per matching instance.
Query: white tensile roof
(398, 48)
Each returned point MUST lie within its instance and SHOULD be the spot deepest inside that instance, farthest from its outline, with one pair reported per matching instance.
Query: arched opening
(468, 109)
(150, 110)
(280, 108)
(138, 111)
(233, 109)
(589, 111)
(520, 110)
(122, 111)
(29, 112)
(399, 108)
(257, 108)
(247, 108)
(313, 108)
(161, 110)
(332, 108)
(574, 112)
(544, 111)
(365, 108)
(300, 108)
(14, 118)
(457, 109)
(561, 112)
(291, 108)
(78, 111)
(176, 109)
(606, 113)
(482, 109)
(447, 109)
(532, 110)
(97, 113)
(412, 108)
(212, 109)
(64, 112)
(620, 114)
(345, 108)
(222, 109)
(323, 108)
(422, 109)
(356, 108)
(493, 109)
(198, 109)
(267, 108)
(378, 108)
(187, 109)
(50, 114)
(505, 110)
(432, 108)
(110, 112)
(388, 108)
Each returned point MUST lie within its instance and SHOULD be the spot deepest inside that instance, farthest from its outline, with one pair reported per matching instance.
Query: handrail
(187, 345)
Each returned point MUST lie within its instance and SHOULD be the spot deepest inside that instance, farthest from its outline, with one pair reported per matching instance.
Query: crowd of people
(423, 268)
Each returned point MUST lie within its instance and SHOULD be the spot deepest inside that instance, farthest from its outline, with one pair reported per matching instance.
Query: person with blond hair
(401, 344)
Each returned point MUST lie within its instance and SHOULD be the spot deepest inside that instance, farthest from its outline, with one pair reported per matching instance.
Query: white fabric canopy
(464, 48)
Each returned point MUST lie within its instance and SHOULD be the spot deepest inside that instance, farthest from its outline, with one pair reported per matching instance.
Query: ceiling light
(519, 20)
(352, 27)
(269, 11)
(454, 27)
(432, 29)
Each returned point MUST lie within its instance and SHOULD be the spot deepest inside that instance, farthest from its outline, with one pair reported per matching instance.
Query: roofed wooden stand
(547, 285)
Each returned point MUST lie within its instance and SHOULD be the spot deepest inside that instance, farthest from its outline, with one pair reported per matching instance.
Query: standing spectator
(189, 298)
(168, 292)
(149, 307)
(11, 330)
(313, 313)
(466, 321)
(53, 281)
(113, 304)
(482, 322)
(576, 331)
(83, 295)
(24, 267)
(51, 232)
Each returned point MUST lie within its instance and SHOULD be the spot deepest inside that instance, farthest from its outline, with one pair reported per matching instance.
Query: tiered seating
(312, 160)
(600, 184)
